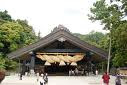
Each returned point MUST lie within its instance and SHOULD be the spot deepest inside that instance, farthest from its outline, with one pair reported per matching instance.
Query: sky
(44, 15)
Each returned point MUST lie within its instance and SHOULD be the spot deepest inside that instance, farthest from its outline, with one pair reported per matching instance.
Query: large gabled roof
(57, 33)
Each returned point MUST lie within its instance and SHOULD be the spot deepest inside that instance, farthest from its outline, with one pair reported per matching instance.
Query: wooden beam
(63, 50)
(60, 53)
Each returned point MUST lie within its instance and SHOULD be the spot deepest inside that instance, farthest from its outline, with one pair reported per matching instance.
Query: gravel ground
(59, 80)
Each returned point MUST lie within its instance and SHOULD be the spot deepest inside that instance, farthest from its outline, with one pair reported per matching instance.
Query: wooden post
(88, 56)
(32, 62)
(19, 66)
(23, 67)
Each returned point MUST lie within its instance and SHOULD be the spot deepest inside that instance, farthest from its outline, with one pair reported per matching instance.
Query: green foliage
(9, 35)
(104, 42)
(119, 42)
(10, 64)
(120, 59)
(14, 34)
(5, 16)
(27, 35)
(94, 38)
(109, 15)
(2, 62)
(7, 64)
(112, 16)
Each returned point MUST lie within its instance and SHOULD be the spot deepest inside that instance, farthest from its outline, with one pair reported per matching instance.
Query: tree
(14, 34)
(94, 38)
(112, 16)
(9, 36)
(104, 42)
(5, 16)
(120, 45)
(27, 35)
(2, 63)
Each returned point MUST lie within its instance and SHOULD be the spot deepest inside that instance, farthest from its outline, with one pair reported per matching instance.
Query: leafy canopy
(94, 38)
(14, 34)
(113, 17)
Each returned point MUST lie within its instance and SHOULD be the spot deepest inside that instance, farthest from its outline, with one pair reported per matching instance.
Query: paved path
(58, 80)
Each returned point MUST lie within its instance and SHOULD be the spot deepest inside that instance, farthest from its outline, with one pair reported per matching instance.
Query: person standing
(46, 78)
(118, 81)
(96, 72)
(41, 79)
(69, 72)
(106, 78)
(21, 76)
(76, 71)
(37, 76)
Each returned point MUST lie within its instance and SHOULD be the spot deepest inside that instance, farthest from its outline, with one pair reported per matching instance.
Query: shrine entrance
(57, 70)
(59, 63)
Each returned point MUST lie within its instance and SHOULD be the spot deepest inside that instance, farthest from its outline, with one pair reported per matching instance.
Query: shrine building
(57, 53)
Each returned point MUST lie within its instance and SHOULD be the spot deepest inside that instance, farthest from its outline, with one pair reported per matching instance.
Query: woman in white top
(41, 79)
(96, 72)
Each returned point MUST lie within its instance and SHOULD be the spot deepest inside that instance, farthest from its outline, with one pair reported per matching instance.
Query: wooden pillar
(32, 62)
(19, 66)
(23, 67)
(88, 57)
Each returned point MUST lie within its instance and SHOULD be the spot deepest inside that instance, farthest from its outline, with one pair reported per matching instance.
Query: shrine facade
(58, 52)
